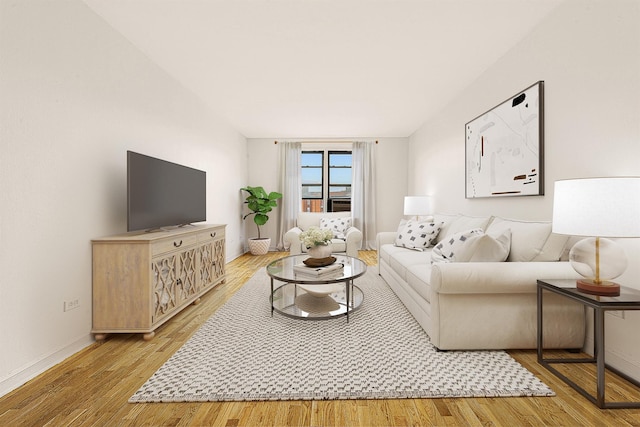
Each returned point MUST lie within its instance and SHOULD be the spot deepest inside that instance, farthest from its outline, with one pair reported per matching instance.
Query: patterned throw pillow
(453, 245)
(417, 235)
(339, 226)
(491, 249)
(472, 245)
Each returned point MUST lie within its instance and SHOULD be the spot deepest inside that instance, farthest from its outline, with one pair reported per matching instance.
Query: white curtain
(290, 186)
(363, 192)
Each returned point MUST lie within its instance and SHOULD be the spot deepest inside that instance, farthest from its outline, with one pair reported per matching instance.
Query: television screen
(161, 193)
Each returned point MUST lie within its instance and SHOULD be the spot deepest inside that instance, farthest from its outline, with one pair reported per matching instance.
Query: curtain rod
(324, 142)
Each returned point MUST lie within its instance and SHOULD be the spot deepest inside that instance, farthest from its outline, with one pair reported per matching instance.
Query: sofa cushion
(417, 235)
(490, 248)
(401, 259)
(530, 240)
(339, 226)
(474, 246)
(455, 247)
(309, 219)
(420, 218)
(460, 223)
(418, 277)
(337, 245)
(401, 225)
(446, 220)
(387, 251)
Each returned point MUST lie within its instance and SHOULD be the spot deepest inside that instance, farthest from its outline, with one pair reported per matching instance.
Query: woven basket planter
(259, 246)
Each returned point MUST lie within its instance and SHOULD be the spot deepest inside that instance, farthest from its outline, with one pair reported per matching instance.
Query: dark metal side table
(629, 299)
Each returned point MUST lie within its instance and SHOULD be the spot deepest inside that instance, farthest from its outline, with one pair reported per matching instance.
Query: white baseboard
(622, 364)
(31, 371)
(616, 360)
(231, 256)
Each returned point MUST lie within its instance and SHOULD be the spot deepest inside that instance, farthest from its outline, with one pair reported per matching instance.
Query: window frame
(310, 204)
(324, 203)
(329, 196)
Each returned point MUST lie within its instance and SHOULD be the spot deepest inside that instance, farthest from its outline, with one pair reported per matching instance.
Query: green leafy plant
(260, 203)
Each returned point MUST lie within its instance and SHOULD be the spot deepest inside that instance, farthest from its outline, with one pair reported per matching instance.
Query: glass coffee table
(304, 296)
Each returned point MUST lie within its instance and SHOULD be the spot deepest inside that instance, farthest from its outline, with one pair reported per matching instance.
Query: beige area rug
(242, 353)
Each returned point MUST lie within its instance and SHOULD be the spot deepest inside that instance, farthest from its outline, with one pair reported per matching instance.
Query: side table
(629, 299)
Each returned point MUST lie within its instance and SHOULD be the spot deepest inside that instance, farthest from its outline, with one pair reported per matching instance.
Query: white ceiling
(324, 68)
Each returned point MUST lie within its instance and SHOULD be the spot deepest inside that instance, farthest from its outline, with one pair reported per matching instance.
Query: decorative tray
(319, 262)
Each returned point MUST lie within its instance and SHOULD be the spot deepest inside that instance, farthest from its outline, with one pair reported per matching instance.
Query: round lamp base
(605, 288)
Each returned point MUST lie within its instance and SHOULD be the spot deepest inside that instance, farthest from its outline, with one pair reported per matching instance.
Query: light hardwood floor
(93, 386)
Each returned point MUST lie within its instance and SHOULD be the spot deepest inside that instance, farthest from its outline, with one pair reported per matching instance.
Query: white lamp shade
(600, 207)
(417, 205)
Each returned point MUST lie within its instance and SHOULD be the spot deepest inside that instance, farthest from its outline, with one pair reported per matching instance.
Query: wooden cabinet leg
(100, 337)
(148, 336)
(197, 301)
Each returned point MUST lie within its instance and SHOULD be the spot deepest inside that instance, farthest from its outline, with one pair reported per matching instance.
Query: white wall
(588, 54)
(75, 97)
(391, 155)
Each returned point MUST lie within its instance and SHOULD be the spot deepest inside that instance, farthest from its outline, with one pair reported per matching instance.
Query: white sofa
(486, 305)
(350, 244)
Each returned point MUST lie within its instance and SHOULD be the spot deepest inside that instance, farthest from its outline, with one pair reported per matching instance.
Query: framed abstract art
(504, 149)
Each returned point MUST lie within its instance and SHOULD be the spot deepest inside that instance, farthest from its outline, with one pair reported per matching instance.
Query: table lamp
(417, 205)
(597, 207)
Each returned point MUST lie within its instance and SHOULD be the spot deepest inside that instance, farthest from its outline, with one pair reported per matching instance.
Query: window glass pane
(311, 192)
(310, 158)
(339, 159)
(339, 192)
(312, 205)
(340, 176)
(312, 176)
(339, 181)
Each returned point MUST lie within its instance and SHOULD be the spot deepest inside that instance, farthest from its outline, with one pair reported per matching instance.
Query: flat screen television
(163, 194)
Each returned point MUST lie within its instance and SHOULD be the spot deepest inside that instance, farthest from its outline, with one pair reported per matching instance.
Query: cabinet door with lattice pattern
(211, 262)
(164, 286)
(219, 259)
(186, 285)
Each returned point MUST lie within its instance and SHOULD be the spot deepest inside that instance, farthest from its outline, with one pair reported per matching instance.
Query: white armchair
(350, 244)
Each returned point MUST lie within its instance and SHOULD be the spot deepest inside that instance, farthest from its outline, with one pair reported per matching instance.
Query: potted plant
(317, 241)
(260, 203)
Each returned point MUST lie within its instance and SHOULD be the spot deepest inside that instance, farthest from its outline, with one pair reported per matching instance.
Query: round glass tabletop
(310, 294)
(288, 269)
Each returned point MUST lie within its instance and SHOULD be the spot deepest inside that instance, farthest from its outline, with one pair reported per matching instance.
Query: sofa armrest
(353, 233)
(353, 238)
(495, 277)
(385, 237)
(292, 237)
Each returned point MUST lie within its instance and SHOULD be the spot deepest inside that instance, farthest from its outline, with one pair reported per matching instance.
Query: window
(326, 181)
(339, 181)
(312, 163)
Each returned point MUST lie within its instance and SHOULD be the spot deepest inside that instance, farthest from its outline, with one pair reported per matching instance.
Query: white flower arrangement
(315, 236)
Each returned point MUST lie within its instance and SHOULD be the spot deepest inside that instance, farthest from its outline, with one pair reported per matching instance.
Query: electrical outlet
(616, 313)
(71, 304)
